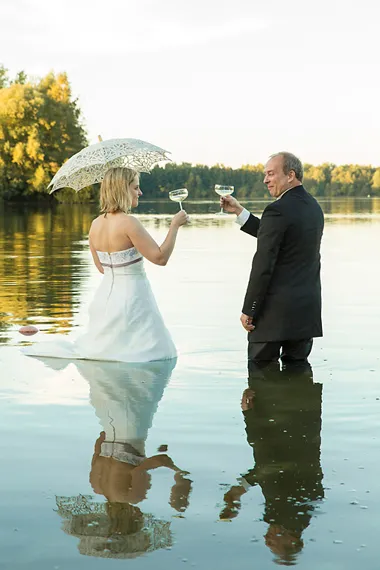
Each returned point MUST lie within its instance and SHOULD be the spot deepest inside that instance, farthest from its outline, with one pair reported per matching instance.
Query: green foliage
(200, 180)
(40, 129)
(376, 180)
(326, 180)
(20, 78)
(3, 77)
(68, 195)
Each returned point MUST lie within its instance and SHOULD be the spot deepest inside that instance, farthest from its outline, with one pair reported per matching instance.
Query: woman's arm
(95, 257)
(143, 241)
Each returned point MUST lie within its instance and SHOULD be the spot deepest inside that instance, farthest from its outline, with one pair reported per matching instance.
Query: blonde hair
(114, 190)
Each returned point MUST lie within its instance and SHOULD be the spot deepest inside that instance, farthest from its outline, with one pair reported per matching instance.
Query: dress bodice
(122, 259)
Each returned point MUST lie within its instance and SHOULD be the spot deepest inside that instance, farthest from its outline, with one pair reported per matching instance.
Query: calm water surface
(290, 479)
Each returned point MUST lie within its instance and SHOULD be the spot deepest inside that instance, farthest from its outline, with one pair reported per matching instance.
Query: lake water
(292, 479)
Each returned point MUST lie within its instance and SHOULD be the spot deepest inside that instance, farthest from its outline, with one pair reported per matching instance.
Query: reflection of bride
(125, 398)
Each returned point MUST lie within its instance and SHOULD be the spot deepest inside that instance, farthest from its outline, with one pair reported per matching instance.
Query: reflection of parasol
(90, 164)
(112, 530)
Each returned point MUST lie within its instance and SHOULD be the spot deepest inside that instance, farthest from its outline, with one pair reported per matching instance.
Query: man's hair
(291, 162)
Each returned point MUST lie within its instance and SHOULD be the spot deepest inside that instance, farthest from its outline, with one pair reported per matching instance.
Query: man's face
(275, 179)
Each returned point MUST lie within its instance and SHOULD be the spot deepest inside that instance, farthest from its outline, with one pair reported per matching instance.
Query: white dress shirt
(242, 218)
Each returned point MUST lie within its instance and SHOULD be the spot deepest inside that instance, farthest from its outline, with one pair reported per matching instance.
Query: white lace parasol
(127, 533)
(90, 164)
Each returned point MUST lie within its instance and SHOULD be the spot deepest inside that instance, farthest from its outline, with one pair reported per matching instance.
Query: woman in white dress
(125, 323)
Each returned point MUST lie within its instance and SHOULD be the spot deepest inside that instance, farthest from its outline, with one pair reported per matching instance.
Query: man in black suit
(282, 305)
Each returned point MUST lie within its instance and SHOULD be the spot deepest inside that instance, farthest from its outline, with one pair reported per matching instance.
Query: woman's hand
(180, 219)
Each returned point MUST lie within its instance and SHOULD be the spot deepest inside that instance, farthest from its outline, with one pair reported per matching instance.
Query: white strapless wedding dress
(125, 323)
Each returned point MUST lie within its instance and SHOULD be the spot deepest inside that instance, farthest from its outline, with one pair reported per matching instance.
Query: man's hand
(246, 321)
(247, 399)
(230, 205)
(232, 503)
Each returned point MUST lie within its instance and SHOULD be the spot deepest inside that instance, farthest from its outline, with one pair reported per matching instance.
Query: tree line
(41, 126)
(325, 180)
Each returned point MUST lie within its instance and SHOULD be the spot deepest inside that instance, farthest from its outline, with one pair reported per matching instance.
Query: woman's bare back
(118, 232)
(108, 233)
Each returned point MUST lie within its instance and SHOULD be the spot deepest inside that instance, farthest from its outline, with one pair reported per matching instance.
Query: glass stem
(180, 206)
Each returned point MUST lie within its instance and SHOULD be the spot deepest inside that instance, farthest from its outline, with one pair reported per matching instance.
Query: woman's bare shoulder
(95, 223)
(131, 220)
(97, 220)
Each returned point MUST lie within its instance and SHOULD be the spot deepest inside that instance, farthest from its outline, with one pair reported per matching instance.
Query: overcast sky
(228, 81)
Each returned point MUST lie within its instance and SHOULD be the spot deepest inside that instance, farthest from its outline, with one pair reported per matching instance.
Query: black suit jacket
(284, 290)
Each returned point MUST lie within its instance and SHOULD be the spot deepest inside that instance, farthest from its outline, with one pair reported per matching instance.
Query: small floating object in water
(28, 330)
(162, 448)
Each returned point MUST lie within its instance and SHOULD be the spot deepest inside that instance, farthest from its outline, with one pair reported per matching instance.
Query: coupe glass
(223, 191)
(179, 195)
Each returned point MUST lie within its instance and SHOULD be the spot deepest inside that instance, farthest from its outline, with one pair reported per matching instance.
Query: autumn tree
(40, 128)
(376, 180)
(3, 77)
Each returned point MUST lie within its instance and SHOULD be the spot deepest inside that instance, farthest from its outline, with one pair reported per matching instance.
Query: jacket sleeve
(269, 238)
(251, 226)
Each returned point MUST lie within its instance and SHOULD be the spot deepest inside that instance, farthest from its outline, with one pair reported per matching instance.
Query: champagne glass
(223, 191)
(179, 195)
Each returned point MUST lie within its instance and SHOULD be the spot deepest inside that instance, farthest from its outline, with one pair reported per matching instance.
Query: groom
(282, 305)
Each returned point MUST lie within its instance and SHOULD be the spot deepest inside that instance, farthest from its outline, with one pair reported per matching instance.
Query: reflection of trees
(209, 205)
(39, 265)
(40, 261)
(342, 206)
(350, 206)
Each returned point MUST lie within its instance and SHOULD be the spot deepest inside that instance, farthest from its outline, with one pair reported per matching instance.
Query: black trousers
(287, 350)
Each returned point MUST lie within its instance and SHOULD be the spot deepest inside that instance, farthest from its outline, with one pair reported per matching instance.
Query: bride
(125, 323)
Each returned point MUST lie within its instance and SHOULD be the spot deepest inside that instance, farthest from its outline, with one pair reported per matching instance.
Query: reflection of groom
(282, 414)
(282, 306)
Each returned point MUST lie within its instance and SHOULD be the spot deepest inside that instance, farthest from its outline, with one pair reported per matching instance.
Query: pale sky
(228, 81)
